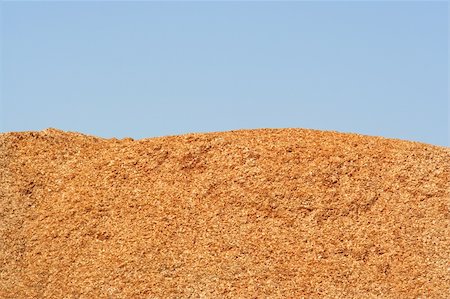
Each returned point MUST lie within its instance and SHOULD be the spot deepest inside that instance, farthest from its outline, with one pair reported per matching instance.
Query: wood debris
(270, 213)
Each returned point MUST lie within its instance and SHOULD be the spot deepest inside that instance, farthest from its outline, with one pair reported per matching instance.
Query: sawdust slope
(251, 213)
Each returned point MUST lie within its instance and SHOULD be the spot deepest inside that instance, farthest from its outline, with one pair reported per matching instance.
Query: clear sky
(144, 69)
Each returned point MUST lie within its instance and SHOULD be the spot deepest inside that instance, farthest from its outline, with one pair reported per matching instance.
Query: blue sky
(144, 69)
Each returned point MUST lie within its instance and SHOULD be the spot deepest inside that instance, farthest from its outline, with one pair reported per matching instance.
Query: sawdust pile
(244, 214)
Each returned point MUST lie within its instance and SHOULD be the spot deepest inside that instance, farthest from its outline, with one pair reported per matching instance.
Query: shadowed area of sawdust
(286, 213)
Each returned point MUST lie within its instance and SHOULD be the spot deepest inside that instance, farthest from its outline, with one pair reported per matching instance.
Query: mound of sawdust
(244, 214)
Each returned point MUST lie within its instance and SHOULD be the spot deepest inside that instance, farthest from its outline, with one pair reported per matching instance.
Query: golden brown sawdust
(244, 214)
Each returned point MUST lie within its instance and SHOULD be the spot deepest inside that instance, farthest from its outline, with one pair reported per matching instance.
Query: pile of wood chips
(271, 213)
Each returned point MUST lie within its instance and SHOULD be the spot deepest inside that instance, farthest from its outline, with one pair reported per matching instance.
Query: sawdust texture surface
(270, 213)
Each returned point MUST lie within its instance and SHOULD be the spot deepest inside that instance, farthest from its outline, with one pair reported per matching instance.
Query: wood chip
(285, 213)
